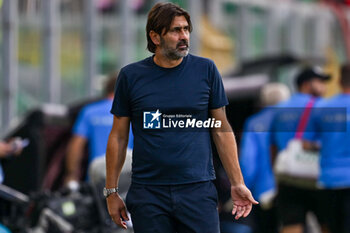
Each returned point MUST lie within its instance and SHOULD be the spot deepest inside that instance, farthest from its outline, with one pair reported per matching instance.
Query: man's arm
(115, 157)
(75, 151)
(226, 146)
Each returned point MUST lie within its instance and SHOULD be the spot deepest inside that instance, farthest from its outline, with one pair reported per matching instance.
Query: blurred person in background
(172, 170)
(12, 147)
(255, 159)
(92, 127)
(329, 124)
(294, 202)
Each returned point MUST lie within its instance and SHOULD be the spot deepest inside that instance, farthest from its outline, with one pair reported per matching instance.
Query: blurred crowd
(294, 157)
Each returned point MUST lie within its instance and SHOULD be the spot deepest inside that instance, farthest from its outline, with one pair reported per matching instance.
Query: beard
(174, 53)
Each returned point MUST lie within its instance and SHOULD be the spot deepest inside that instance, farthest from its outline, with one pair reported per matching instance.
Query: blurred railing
(264, 27)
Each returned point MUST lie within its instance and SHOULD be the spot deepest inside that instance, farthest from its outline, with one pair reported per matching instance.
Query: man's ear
(154, 37)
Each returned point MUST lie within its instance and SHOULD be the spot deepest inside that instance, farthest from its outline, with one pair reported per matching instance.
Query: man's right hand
(117, 209)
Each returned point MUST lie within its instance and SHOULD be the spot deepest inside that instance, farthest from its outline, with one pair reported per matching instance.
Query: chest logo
(151, 120)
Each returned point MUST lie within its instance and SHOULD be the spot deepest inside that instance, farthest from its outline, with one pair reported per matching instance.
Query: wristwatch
(107, 192)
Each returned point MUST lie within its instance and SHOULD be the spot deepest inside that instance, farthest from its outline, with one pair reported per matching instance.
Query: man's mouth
(182, 45)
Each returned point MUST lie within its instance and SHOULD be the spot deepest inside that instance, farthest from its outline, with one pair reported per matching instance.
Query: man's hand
(242, 201)
(5, 149)
(117, 209)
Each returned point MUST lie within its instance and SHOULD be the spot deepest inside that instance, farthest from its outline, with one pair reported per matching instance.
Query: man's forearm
(115, 158)
(227, 148)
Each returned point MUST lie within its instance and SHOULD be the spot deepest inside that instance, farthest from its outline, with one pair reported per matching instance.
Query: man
(329, 123)
(172, 189)
(294, 202)
(92, 126)
(255, 157)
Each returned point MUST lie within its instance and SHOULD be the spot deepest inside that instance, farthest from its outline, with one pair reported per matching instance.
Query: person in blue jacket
(255, 157)
(329, 127)
(294, 202)
(92, 127)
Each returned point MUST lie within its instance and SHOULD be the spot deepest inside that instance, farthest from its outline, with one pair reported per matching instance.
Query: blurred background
(56, 54)
(58, 51)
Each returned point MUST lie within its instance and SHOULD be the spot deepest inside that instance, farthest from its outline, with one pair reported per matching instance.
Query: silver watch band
(107, 192)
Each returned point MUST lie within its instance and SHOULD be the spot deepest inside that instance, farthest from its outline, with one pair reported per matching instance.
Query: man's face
(175, 43)
(317, 87)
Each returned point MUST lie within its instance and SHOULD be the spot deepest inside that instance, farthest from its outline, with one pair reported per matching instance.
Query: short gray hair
(273, 93)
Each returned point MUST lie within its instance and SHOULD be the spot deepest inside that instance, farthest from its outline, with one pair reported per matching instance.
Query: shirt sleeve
(218, 96)
(81, 125)
(121, 106)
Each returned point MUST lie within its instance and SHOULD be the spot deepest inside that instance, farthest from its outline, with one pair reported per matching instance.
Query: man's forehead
(179, 21)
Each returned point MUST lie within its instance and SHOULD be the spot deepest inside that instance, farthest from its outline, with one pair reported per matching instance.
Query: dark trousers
(293, 203)
(174, 208)
(339, 210)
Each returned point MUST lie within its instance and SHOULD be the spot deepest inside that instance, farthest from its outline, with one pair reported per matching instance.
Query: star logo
(156, 115)
(151, 120)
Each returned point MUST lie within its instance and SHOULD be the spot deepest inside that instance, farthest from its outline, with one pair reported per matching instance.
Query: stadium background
(55, 55)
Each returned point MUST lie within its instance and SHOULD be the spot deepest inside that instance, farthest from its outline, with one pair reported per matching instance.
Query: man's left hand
(242, 201)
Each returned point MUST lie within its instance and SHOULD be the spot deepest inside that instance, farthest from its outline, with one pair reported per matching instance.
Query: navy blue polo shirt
(157, 99)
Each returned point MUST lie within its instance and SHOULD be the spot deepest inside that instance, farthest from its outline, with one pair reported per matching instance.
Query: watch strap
(109, 191)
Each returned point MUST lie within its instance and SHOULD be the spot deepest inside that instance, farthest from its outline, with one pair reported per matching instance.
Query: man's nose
(184, 34)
